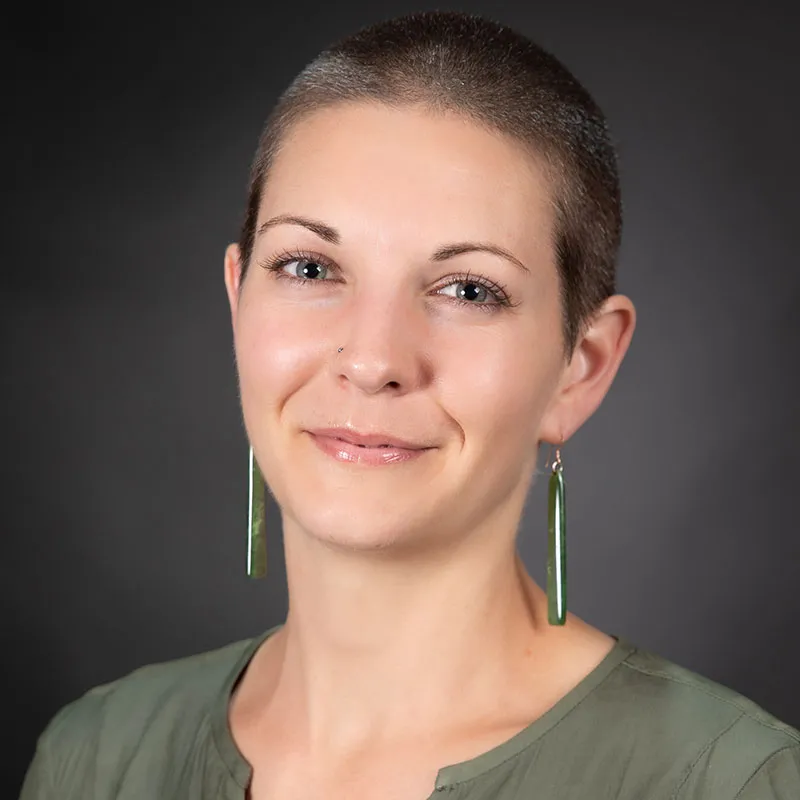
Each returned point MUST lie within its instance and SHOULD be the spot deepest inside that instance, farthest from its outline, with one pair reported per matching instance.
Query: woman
(422, 297)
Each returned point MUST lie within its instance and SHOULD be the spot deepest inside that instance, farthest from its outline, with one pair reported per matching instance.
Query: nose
(382, 349)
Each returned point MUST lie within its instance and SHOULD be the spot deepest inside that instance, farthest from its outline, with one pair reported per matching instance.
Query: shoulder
(724, 744)
(148, 695)
(98, 734)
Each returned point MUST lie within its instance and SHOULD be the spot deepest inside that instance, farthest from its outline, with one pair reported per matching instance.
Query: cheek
(498, 386)
(277, 349)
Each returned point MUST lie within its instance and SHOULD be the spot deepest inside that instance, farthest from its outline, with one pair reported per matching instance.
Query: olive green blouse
(638, 727)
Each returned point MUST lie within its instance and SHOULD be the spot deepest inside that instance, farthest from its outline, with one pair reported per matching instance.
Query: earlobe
(233, 276)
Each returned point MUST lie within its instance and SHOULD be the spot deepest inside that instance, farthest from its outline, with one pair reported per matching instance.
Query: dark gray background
(128, 142)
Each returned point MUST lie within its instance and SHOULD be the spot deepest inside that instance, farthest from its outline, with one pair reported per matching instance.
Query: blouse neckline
(241, 771)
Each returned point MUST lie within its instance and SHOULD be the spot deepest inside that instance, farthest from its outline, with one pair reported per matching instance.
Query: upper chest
(398, 776)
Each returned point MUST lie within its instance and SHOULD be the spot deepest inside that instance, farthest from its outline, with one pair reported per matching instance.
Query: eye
(473, 290)
(469, 291)
(303, 269)
(299, 266)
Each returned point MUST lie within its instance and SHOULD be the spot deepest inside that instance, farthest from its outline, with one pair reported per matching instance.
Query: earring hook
(556, 465)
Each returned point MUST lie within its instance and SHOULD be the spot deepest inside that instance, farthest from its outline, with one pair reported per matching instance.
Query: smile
(366, 449)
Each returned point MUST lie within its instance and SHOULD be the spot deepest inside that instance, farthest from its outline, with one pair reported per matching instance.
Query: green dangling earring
(256, 523)
(556, 545)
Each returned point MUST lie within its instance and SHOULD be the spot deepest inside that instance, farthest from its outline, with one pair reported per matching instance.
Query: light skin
(415, 638)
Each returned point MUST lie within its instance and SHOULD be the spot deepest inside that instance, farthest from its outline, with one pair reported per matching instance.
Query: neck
(375, 649)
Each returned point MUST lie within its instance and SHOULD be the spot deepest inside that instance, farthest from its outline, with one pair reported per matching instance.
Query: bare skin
(415, 638)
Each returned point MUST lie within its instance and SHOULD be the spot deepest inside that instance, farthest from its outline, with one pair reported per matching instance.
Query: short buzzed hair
(462, 63)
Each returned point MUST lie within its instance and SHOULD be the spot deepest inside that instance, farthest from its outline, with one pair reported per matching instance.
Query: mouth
(368, 440)
(367, 449)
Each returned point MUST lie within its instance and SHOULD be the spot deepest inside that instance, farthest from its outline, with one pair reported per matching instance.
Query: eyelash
(275, 264)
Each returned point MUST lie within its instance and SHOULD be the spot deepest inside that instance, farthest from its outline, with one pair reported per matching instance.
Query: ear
(233, 277)
(587, 378)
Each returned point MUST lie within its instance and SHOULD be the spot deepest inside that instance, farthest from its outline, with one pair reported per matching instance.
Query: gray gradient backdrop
(129, 142)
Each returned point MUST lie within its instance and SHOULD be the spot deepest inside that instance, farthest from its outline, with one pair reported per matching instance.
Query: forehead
(407, 172)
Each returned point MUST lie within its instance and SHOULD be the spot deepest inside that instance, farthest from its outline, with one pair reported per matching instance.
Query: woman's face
(383, 232)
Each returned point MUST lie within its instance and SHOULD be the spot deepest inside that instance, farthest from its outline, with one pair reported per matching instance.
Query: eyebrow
(326, 232)
(457, 249)
(332, 236)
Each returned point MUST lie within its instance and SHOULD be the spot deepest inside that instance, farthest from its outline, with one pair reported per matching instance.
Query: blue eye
(474, 292)
(300, 266)
(471, 292)
(305, 270)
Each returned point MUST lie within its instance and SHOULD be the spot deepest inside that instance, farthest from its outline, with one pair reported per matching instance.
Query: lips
(368, 440)
(366, 449)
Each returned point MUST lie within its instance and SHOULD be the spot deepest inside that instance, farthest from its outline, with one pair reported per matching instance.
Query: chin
(385, 531)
